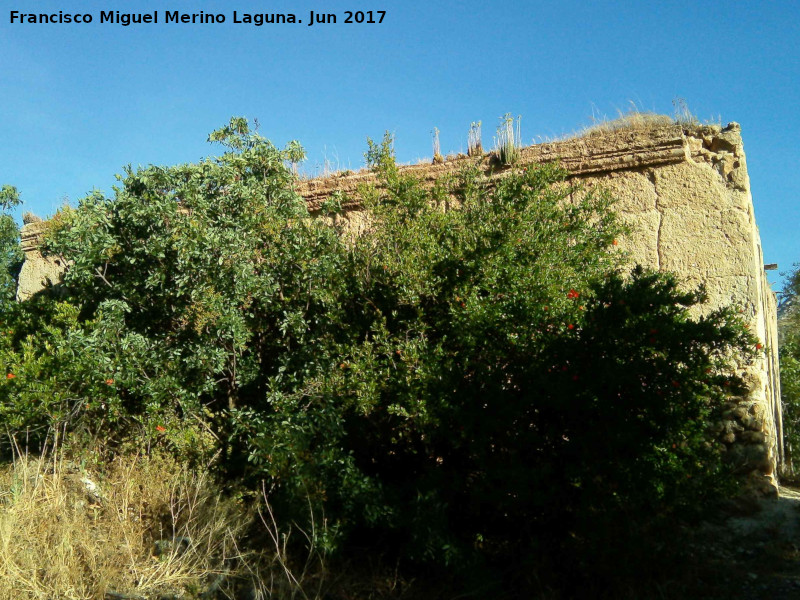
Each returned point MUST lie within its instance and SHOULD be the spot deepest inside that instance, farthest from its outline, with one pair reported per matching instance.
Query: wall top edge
(594, 153)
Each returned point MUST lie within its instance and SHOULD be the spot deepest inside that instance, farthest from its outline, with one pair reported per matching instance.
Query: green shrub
(789, 349)
(196, 289)
(501, 388)
(10, 253)
(453, 386)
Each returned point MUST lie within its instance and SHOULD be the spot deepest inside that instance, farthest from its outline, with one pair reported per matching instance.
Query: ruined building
(685, 192)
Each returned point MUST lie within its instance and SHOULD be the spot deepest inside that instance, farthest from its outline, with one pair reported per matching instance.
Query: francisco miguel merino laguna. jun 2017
(174, 16)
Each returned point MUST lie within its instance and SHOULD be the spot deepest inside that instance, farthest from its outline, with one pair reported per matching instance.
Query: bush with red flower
(453, 387)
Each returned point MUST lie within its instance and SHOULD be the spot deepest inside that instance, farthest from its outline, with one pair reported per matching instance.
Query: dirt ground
(752, 555)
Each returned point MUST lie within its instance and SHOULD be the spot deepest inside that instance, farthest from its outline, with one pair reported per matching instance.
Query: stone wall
(38, 271)
(685, 193)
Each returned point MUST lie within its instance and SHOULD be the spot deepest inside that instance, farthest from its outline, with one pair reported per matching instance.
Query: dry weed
(149, 527)
(634, 120)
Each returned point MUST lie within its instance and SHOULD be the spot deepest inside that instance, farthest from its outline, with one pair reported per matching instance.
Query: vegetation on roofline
(508, 140)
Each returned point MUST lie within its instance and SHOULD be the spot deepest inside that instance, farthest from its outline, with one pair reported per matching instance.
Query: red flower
(160, 428)
(10, 376)
(109, 382)
(614, 242)
(759, 346)
(570, 326)
(572, 294)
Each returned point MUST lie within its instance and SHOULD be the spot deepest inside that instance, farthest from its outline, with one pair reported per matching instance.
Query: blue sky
(78, 102)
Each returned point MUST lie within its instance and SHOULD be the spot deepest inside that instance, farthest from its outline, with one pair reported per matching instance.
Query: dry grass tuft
(637, 119)
(632, 120)
(149, 528)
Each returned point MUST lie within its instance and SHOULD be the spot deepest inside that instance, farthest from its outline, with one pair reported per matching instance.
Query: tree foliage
(789, 349)
(195, 286)
(456, 384)
(10, 253)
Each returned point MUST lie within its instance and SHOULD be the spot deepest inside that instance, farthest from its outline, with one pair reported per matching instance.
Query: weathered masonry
(686, 194)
